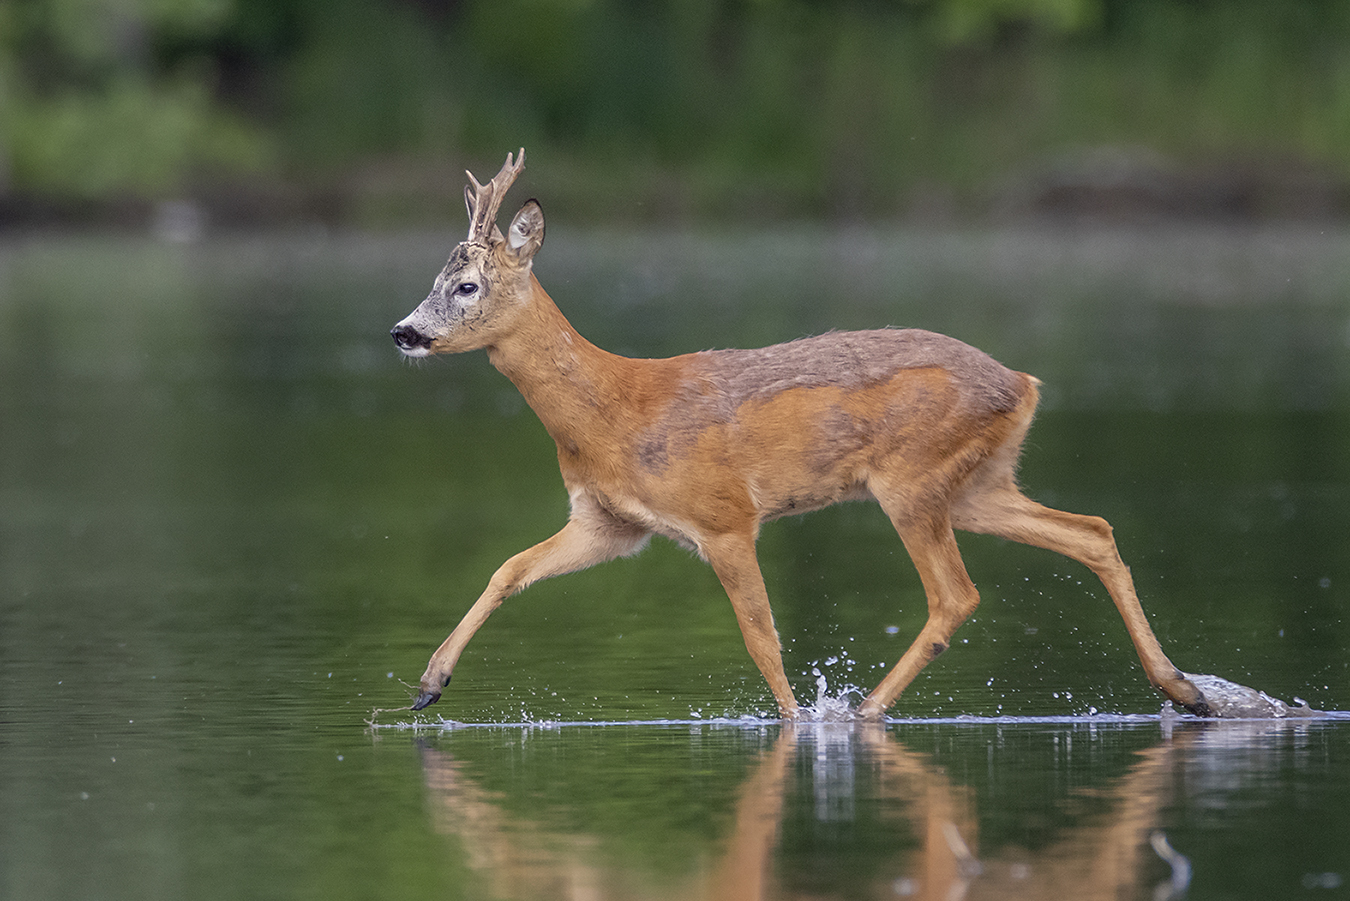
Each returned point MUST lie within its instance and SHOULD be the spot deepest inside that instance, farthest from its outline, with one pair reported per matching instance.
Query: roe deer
(704, 448)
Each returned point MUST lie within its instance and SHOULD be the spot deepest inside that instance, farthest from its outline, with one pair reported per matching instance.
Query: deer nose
(409, 338)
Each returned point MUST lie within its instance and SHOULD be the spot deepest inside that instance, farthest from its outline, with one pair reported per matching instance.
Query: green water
(233, 523)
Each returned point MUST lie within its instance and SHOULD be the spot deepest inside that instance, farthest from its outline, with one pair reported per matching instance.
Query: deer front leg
(733, 559)
(587, 539)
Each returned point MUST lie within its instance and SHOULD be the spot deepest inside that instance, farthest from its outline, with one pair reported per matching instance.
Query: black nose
(407, 337)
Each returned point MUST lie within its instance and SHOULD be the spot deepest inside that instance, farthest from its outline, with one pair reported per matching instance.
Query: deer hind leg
(732, 557)
(951, 599)
(590, 537)
(999, 508)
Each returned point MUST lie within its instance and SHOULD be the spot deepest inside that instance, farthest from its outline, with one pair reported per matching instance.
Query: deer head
(486, 279)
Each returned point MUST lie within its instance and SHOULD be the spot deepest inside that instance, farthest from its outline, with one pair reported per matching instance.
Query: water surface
(233, 523)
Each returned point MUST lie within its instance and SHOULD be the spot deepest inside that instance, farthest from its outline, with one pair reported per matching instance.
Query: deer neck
(568, 381)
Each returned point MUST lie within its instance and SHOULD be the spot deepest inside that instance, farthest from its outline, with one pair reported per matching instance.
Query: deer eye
(464, 289)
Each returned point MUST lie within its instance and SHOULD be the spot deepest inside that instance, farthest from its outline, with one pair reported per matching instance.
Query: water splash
(1231, 700)
(838, 706)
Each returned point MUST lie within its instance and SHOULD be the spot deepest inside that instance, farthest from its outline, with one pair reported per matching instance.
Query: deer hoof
(426, 698)
(1186, 695)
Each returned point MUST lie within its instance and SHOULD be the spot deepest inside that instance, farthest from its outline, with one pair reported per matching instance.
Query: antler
(483, 201)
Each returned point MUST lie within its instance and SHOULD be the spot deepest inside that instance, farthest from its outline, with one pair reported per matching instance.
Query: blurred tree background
(364, 111)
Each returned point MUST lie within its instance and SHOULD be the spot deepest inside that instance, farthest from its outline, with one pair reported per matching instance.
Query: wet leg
(951, 599)
(1004, 511)
(733, 559)
(585, 541)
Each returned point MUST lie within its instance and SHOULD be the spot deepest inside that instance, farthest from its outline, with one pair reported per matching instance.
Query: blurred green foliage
(821, 106)
(95, 102)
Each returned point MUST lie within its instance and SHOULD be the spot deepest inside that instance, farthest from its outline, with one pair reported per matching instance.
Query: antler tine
(486, 199)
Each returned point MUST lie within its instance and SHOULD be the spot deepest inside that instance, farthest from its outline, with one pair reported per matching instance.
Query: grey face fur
(453, 305)
(475, 287)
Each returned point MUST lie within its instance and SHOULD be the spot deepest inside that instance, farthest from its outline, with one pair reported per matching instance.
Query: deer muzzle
(410, 340)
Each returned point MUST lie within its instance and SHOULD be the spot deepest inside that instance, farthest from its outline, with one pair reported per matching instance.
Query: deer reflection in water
(1116, 850)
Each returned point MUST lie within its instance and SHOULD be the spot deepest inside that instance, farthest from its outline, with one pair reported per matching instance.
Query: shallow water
(233, 523)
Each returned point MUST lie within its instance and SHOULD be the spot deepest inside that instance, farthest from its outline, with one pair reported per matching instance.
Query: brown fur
(706, 447)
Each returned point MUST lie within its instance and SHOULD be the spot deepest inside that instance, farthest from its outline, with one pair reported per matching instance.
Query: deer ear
(526, 234)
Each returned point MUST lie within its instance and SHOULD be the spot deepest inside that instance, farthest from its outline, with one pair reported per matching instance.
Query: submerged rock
(1230, 700)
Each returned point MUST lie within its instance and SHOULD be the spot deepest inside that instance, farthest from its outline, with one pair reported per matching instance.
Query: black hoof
(1201, 708)
(426, 699)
